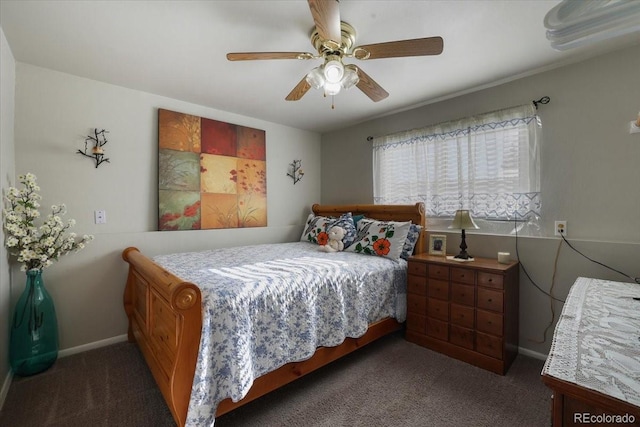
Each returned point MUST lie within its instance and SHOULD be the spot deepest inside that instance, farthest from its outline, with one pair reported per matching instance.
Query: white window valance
(487, 163)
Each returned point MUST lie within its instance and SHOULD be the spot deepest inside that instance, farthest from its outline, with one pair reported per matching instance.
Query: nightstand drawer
(438, 309)
(416, 304)
(438, 289)
(490, 280)
(489, 345)
(437, 329)
(490, 322)
(438, 272)
(490, 300)
(463, 294)
(461, 336)
(462, 315)
(417, 268)
(416, 323)
(463, 275)
(417, 285)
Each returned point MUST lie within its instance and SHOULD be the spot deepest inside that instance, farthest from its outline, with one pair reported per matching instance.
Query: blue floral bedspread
(268, 305)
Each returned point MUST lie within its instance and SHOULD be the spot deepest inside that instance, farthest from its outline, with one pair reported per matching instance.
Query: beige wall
(7, 98)
(54, 112)
(589, 166)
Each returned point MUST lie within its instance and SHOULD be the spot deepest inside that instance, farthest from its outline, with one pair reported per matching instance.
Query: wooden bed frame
(165, 319)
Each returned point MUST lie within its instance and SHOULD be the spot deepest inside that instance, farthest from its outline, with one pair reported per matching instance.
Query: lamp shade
(333, 71)
(350, 76)
(462, 220)
(332, 88)
(315, 78)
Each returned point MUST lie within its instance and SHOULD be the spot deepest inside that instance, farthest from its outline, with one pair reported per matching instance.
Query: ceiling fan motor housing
(330, 47)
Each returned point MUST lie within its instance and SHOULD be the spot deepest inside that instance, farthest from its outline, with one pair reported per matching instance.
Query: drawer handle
(489, 300)
(490, 280)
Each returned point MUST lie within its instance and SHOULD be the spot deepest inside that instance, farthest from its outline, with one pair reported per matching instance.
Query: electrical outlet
(561, 228)
(100, 216)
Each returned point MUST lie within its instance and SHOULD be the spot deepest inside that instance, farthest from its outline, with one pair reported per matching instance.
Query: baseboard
(531, 353)
(93, 345)
(5, 388)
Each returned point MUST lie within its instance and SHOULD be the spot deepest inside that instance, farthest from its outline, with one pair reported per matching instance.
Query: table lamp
(461, 221)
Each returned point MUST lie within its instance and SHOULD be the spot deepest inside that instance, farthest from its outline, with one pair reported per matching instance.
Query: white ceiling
(177, 49)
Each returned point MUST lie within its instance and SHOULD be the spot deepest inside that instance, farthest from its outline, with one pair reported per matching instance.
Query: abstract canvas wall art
(211, 174)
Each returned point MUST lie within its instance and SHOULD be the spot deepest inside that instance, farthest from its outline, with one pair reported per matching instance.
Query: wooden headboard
(414, 213)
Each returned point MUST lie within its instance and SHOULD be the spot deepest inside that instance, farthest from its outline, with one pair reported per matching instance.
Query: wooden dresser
(466, 310)
(593, 366)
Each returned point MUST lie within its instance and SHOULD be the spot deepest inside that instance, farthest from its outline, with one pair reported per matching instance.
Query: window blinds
(487, 163)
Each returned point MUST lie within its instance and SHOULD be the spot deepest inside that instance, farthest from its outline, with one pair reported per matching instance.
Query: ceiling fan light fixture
(575, 23)
(315, 78)
(332, 88)
(333, 71)
(350, 78)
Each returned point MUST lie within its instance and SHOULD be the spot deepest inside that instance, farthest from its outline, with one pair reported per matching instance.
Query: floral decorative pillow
(380, 238)
(410, 242)
(316, 227)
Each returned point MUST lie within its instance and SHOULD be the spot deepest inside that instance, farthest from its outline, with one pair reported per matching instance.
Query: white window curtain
(489, 164)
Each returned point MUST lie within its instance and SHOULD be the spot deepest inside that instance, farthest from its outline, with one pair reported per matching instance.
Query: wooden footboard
(165, 319)
(323, 356)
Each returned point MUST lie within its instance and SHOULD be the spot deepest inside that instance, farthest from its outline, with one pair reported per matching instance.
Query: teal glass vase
(34, 329)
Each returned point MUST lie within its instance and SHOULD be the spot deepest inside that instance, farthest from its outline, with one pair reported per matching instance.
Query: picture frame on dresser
(438, 244)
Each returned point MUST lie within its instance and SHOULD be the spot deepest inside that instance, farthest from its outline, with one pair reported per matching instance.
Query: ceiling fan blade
(326, 15)
(412, 47)
(248, 56)
(299, 91)
(370, 88)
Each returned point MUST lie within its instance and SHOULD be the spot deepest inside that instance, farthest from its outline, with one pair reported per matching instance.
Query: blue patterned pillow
(316, 227)
(412, 239)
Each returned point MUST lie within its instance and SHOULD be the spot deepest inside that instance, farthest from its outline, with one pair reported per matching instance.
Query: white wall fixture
(574, 23)
(634, 127)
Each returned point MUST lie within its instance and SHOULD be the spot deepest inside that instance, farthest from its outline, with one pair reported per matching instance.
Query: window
(488, 164)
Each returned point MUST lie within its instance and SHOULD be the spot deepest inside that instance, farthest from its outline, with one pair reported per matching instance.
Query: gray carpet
(389, 383)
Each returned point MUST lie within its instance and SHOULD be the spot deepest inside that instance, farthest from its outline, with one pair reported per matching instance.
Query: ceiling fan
(334, 40)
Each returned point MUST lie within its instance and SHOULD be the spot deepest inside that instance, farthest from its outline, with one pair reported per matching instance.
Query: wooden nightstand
(466, 310)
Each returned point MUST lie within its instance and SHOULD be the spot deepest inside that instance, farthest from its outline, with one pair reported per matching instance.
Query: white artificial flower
(36, 248)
